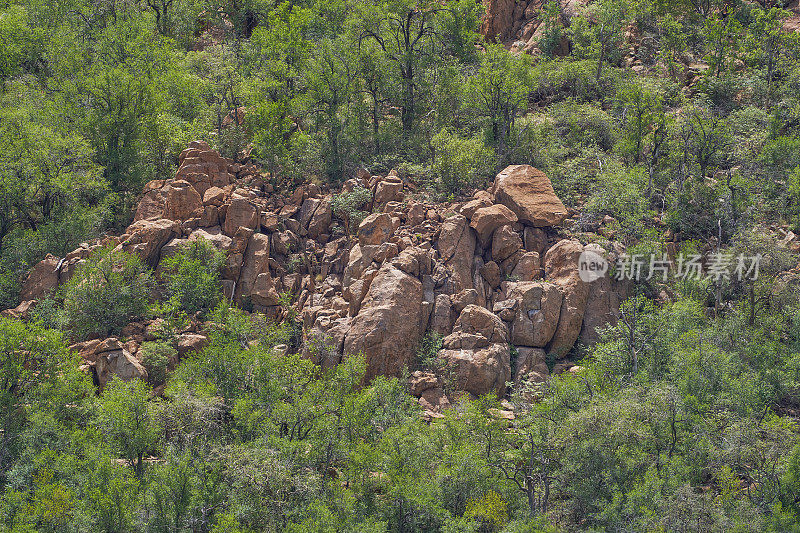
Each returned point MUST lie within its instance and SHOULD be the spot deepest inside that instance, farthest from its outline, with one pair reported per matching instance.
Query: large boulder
(42, 279)
(319, 223)
(256, 262)
(531, 366)
(151, 205)
(375, 229)
(480, 371)
(109, 358)
(602, 303)
(476, 327)
(241, 213)
(487, 219)
(561, 268)
(456, 245)
(530, 195)
(478, 352)
(388, 327)
(537, 312)
(505, 243)
(146, 237)
(182, 201)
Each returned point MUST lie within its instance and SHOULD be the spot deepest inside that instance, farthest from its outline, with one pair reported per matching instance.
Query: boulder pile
(493, 276)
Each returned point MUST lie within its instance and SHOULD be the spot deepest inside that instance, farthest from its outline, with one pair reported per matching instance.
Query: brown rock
(456, 245)
(191, 342)
(146, 237)
(491, 273)
(388, 190)
(118, 363)
(320, 221)
(602, 304)
(213, 235)
(480, 371)
(20, 312)
(538, 309)
(387, 328)
(476, 327)
(214, 196)
(487, 219)
(505, 243)
(151, 205)
(530, 195)
(203, 167)
(42, 278)
(419, 382)
(561, 268)
(241, 213)
(531, 365)
(416, 214)
(442, 316)
(528, 267)
(264, 293)
(182, 201)
(256, 261)
(535, 240)
(375, 229)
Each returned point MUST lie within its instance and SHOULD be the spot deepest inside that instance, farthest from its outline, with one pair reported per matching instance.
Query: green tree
(499, 91)
(407, 36)
(125, 416)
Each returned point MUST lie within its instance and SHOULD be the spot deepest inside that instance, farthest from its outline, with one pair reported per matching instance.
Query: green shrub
(192, 276)
(348, 206)
(108, 291)
(460, 163)
(155, 357)
(620, 193)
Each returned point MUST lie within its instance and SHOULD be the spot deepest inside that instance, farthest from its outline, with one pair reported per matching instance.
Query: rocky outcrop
(490, 275)
(518, 24)
(456, 246)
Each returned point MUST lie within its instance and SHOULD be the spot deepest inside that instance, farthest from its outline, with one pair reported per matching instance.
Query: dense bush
(106, 292)
(192, 276)
(460, 164)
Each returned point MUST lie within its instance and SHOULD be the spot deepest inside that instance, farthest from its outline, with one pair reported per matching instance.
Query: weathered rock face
(531, 365)
(256, 263)
(241, 213)
(519, 23)
(203, 167)
(375, 229)
(42, 279)
(530, 195)
(487, 219)
(456, 245)
(478, 351)
(602, 303)
(561, 268)
(182, 201)
(146, 237)
(538, 307)
(476, 272)
(109, 358)
(387, 329)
